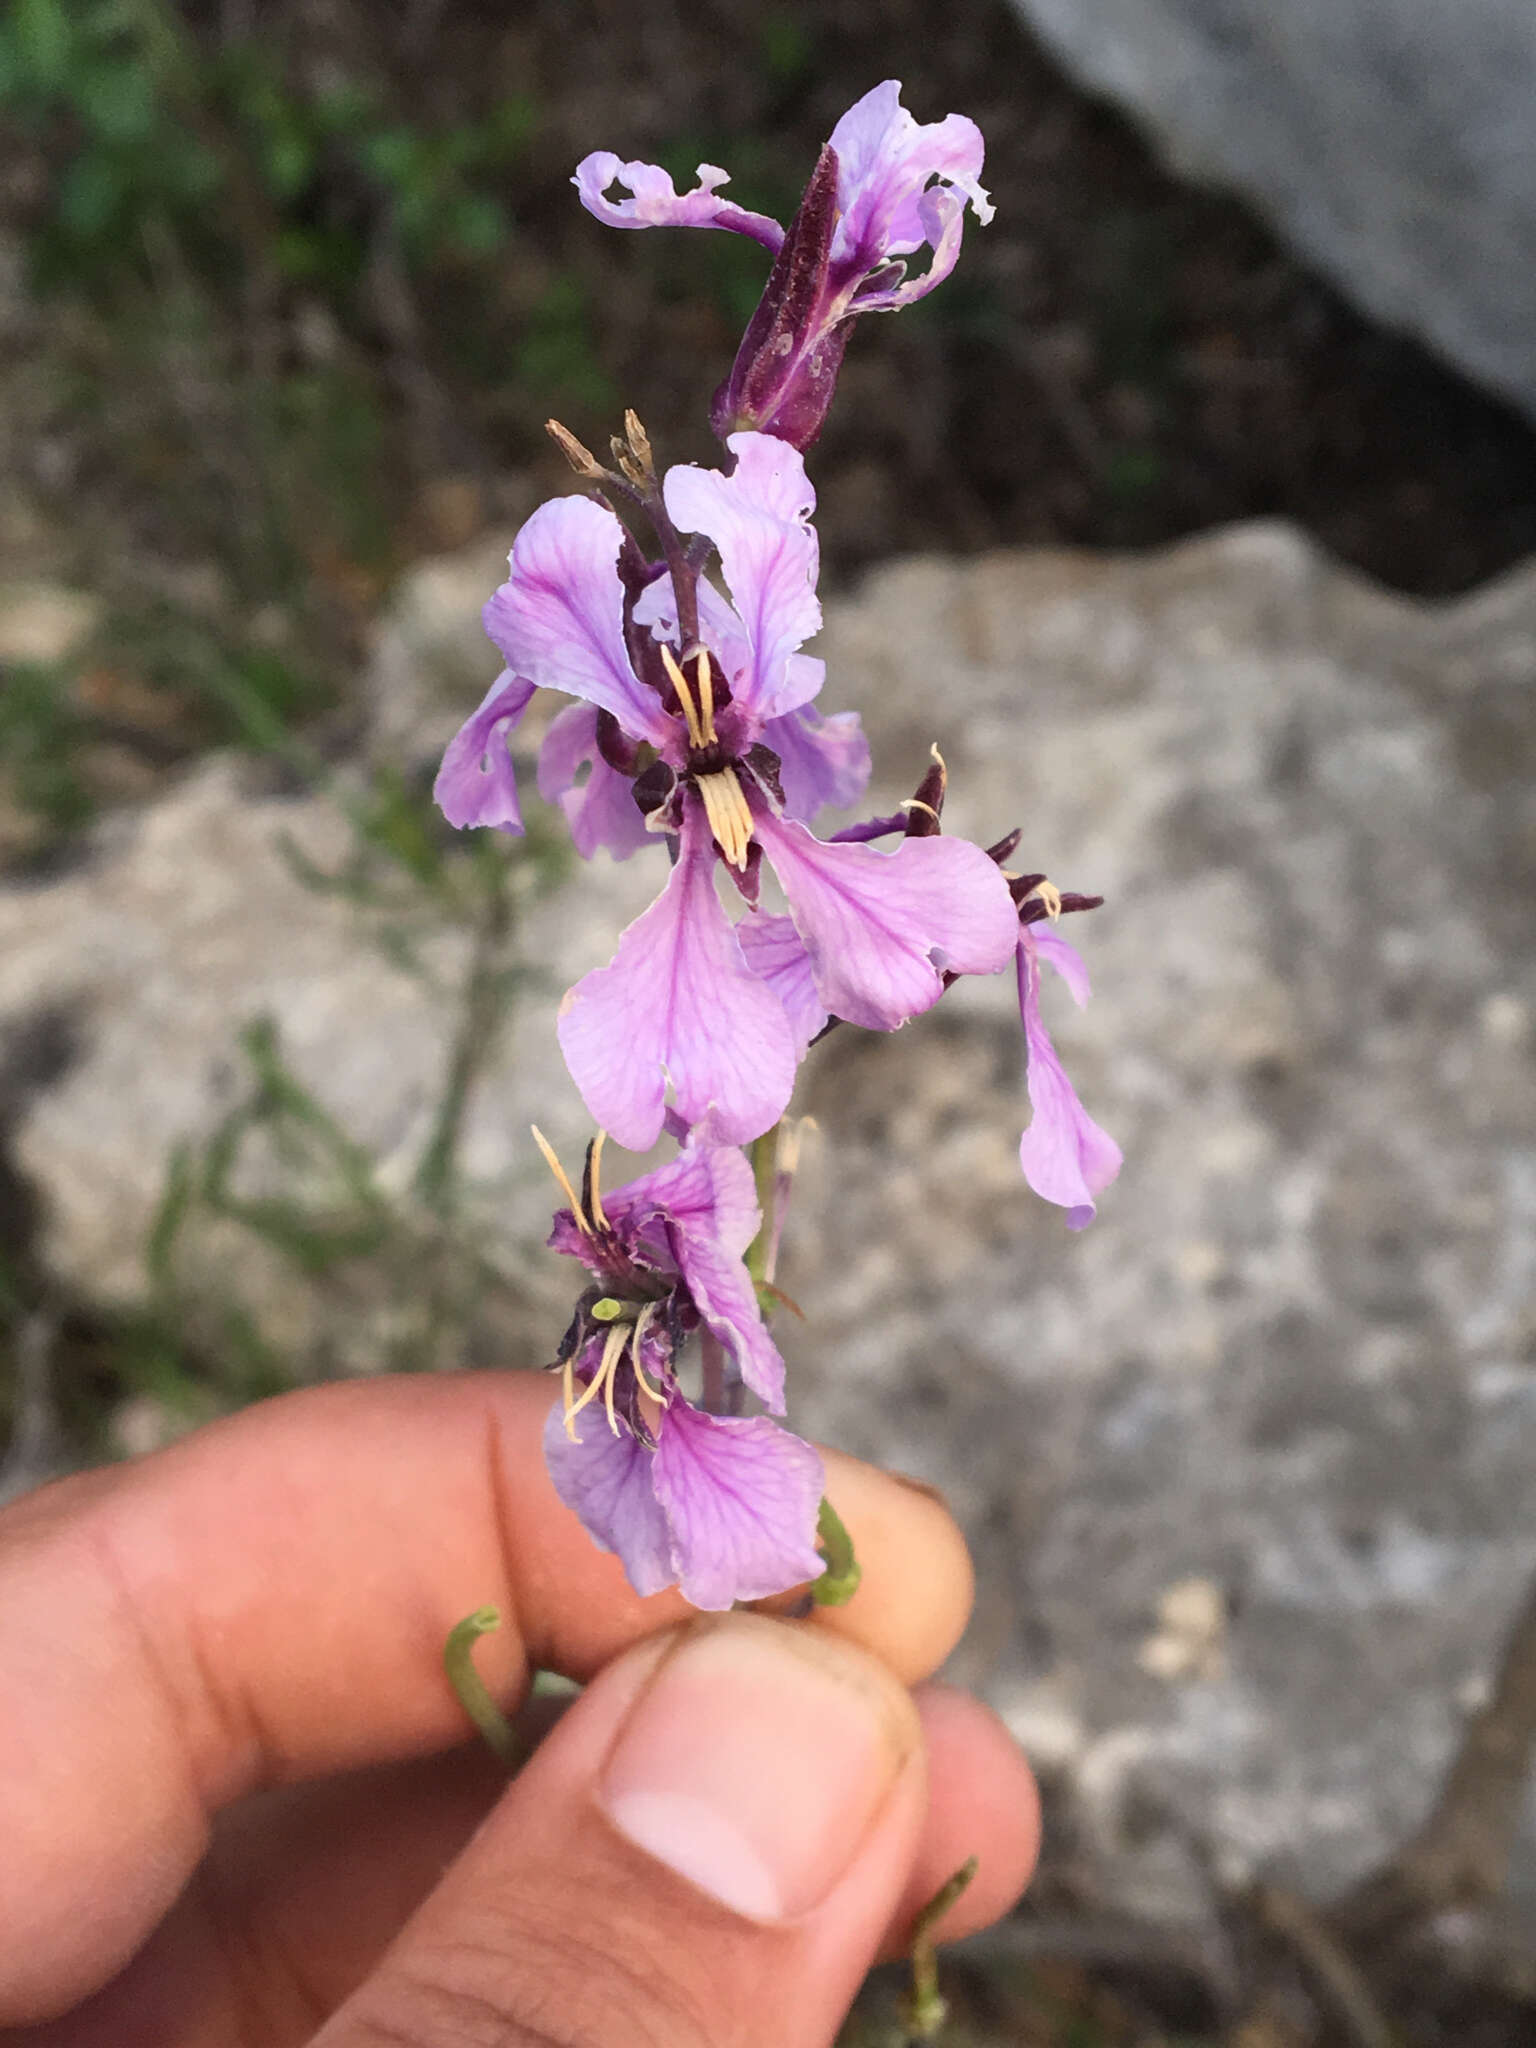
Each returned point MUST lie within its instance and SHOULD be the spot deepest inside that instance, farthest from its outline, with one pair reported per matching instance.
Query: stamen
(706, 698)
(634, 1354)
(594, 1193)
(562, 1177)
(729, 814)
(915, 803)
(1050, 896)
(684, 696)
(613, 1351)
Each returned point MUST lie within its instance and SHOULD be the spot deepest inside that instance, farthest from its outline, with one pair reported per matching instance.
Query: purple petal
(741, 1497)
(1065, 1156)
(1059, 953)
(606, 1481)
(559, 619)
(602, 810)
(881, 927)
(708, 1190)
(679, 1003)
(885, 161)
(775, 951)
(759, 519)
(476, 784)
(943, 216)
(821, 760)
(657, 203)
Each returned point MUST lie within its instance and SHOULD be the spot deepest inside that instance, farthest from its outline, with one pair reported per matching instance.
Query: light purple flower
(885, 187)
(723, 1505)
(476, 784)
(1065, 1156)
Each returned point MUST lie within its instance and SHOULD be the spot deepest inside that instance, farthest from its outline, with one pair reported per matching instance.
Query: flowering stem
(925, 2010)
(840, 1581)
(765, 1174)
(459, 1663)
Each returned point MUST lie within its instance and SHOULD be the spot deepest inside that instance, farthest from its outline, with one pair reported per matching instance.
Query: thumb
(705, 1853)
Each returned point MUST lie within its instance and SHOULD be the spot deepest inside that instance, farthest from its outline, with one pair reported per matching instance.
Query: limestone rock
(1390, 141)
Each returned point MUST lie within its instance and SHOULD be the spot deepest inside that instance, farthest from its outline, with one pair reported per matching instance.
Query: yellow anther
(562, 1177)
(594, 1194)
(729, 814)
(706, 677)
(1050, 896)
(684, 696)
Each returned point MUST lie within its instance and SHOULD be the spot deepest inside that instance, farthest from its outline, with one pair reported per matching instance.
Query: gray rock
(1247, 1463)
(1390, 141)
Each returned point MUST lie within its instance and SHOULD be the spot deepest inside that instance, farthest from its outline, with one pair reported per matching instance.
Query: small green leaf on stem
(924, 2011)
(459, 1663)
(840, 1581)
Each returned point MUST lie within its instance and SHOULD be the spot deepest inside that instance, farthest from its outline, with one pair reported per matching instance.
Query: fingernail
(756, 1760)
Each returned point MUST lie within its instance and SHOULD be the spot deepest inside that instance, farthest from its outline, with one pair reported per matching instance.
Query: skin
(235, 1772)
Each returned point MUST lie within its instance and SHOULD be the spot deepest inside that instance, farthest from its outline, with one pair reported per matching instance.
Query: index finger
(268, 1600)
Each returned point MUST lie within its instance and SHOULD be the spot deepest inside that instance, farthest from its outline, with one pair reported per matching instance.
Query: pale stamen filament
(634, 1354)
(729, 814)
(601, 1381)
(679, 683)
(597, 1201)
(562, 1177)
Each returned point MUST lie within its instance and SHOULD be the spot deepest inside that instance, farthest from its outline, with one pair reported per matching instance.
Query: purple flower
(885, 187)
(723, 1505)
(1065, 1156)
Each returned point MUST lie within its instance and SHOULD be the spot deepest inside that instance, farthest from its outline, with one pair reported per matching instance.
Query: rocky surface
(1246, 1464)
(1389, 140)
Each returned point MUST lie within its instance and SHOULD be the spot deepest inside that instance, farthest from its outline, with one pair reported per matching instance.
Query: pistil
(730, 817)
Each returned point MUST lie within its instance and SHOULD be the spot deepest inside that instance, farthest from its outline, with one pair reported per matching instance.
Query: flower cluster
(695, 727)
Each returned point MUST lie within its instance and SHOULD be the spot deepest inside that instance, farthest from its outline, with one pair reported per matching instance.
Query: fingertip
(982, 1802)
(917, 1583)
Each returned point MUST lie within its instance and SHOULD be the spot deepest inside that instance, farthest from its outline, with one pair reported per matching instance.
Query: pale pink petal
(943, 217)
(885, 162)
(1059, 953)
(775, 950)
(559, 618)
(679, 1003)
(882, 927)
(822, 760)
(741, 1497)
(600, 811)
(606, 1480)
(759, 519)
(476, 784)
(1066, 1158)
(658, 204)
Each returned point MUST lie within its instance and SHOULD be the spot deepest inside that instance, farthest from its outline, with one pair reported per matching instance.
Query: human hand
(232, 1810)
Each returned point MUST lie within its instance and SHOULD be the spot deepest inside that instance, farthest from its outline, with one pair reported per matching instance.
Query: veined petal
(943, 216)
(602, 810)
(741, 1498)
(559, 618)
(1065, 1156)
(707, 1190)
(822, 760)
(658, 204)
(882, 927)
(885, 162)
(606, 1481)
(723, 1292)
(776, 952)
(476, 785)
(679, 1003)
(759, 519)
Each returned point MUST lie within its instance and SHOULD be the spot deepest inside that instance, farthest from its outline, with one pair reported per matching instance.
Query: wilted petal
(476, 784)
(881, 927)
(658, 204)
(679, 1002)
(602, 810)
(724, 1295)
(943, 217)
(1065, 1156)
(776, 952)
(559, 618)
(759, 519)
(707, 1190)
(821, 760)
(885, 163)
(606, 1480)
(741, 1497)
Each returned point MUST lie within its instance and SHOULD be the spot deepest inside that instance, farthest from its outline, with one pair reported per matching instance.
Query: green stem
(840, 1581)
(459, 1663)
(765, 1155)
(925, 2010)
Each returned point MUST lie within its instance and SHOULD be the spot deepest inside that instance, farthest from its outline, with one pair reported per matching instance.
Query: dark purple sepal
(749, 880)
(763, 764)
(655, 787)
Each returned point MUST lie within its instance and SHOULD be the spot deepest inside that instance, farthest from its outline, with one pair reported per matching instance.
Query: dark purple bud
(765, 765)
(786, 368)
(1003, 849)
(654, 786)
(926, 804)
